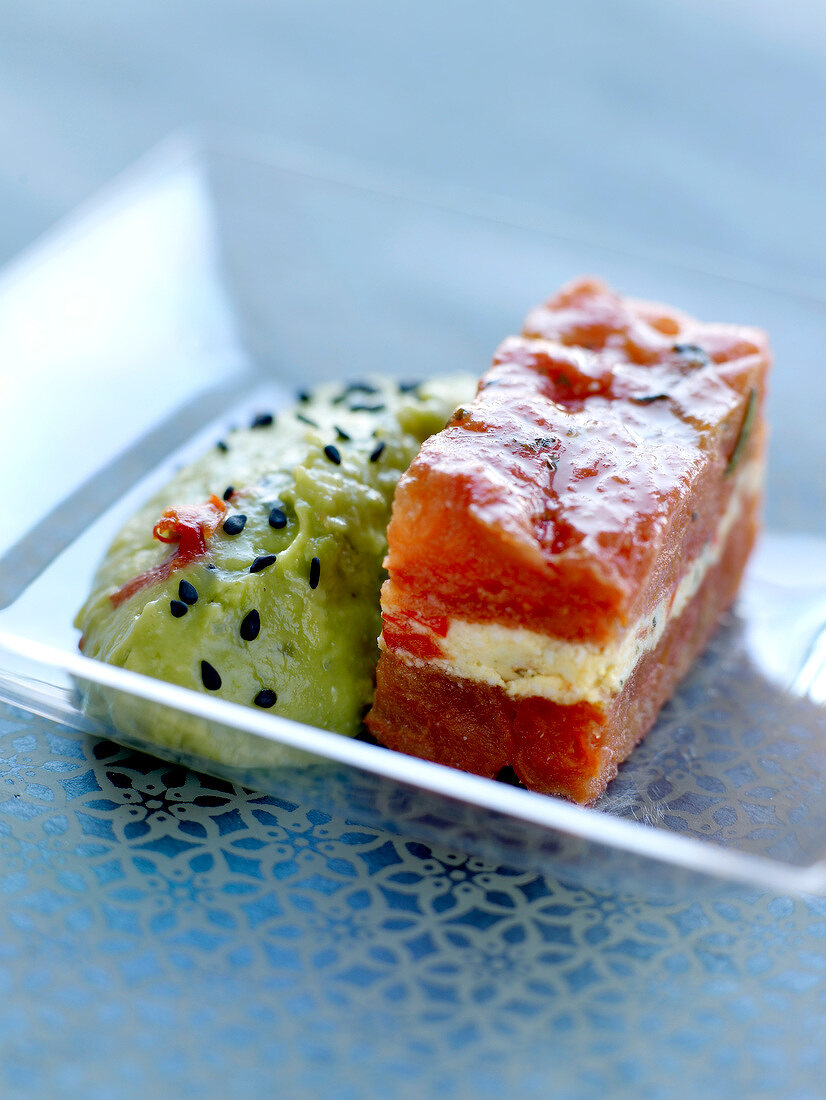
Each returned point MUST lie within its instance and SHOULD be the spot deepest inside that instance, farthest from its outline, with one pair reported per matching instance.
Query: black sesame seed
(315, 572)
(263, 420)
(343, 437)
(688, 349)
(408, 387)
(377, 453)
(234, 525)
(188, 592)
(303, 396)
(211, 565)
(266, 698)
(261, 562)
(358, 407)
(210, 677)
(509, 776)
(250, 626)
(649, 398)
(306, 420)
(278, 518)
(230, 489)
(333, 454)
(361, 387)
(177, 608)
(693, 353)
(222, 447)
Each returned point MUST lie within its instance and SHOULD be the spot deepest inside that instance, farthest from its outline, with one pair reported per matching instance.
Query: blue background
(694, 124)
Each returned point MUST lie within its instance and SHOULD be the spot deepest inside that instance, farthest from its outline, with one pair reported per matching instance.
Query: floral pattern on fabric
(178, 928)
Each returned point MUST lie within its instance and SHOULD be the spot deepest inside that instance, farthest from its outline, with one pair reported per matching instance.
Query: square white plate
(210, 280)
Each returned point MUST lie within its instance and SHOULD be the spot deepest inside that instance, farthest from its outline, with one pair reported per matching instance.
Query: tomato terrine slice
(561, 553)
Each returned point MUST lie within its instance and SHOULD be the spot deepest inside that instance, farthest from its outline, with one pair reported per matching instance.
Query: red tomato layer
(589, 468)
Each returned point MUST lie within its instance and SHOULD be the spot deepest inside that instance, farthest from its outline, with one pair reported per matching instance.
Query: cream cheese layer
(525, 663)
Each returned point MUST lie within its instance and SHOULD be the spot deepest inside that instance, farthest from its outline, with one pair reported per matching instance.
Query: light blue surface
(683, 122)
(164, 931)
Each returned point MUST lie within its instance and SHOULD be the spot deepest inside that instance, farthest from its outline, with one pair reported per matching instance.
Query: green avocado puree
(316, 650)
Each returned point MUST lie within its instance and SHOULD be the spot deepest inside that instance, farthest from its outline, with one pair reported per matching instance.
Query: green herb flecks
(745, 432)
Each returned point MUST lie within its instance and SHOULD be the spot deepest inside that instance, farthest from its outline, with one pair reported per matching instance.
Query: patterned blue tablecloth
(164, 931)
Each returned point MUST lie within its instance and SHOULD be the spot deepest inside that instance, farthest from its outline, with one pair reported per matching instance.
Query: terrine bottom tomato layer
(562, 552)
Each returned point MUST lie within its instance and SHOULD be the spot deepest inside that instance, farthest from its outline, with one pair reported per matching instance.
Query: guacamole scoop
(254, 575)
